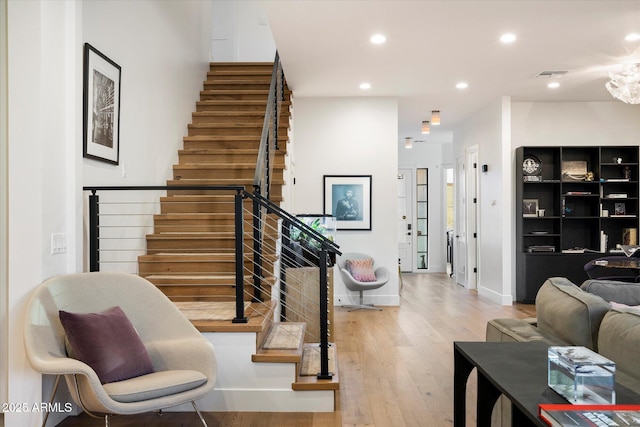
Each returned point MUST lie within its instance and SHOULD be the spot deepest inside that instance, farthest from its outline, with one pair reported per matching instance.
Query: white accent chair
(183, 360)
(381, 273)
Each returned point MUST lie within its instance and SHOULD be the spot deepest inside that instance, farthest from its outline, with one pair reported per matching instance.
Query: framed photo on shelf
(348, 199)
(101, 107)
(529, 207)
(620, 209)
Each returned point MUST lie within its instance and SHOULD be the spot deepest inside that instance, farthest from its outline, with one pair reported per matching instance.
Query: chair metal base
(362, 305)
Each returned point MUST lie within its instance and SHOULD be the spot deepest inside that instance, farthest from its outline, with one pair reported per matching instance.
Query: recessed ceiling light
(632, 37)
(553, 85)
(462, 85)
(378, 39)
(508, 38)
(365, 86)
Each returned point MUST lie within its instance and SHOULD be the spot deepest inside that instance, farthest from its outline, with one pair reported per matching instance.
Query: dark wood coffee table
(517, 370)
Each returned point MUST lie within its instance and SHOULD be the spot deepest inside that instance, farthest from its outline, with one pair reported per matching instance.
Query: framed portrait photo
(348, 199)
(101, 107)
(529, 207)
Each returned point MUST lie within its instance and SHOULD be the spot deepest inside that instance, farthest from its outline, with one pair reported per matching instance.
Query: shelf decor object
(531, 169)
(580, 375)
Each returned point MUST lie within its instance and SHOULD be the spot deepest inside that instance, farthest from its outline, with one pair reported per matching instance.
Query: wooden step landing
(259, 316)
(311, 382)
(292, 331)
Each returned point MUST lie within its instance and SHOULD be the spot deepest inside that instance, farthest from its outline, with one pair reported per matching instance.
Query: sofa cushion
(517, 330)
(619, 340)
(614, 291)
(569, 313)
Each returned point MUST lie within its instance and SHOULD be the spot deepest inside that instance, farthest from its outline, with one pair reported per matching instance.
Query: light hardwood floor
(396, 365)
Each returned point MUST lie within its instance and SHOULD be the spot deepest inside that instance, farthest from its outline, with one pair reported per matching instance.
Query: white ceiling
(431, 45)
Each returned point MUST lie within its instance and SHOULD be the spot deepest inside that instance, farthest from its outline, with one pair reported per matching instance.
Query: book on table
(568, 415)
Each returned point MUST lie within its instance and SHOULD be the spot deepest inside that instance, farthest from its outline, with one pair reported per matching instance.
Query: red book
(568, 415)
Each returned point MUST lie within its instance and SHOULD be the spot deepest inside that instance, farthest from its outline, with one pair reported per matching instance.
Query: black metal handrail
(269, 136)
(260, 205)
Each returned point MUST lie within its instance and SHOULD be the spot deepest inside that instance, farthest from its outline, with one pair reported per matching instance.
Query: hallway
(396, 365)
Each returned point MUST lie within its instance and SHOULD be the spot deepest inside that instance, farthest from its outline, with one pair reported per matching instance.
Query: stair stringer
(246, 386)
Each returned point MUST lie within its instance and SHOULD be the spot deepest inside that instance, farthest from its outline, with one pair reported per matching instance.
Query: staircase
(190, 255)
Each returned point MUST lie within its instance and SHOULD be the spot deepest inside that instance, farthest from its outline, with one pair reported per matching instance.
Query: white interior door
(460, 239)
(405, 215)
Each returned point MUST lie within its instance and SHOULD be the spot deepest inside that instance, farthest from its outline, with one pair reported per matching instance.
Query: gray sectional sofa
(595, 315)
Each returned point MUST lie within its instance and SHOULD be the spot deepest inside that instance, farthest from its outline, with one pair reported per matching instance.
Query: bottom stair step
(283, 343)
(307, 377)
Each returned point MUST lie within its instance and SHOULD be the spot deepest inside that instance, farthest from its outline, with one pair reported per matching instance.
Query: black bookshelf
(567, 200)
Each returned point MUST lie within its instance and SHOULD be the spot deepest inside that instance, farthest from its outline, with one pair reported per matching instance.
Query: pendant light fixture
(407, 142)
(425, 127)
(435, 117)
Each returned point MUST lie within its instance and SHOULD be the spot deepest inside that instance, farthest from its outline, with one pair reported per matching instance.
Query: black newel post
(257, 252)
(239, 234)
(94, 232)
(324, 373)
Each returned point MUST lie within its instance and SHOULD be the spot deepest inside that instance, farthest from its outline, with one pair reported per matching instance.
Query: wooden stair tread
(280, 355)
(241, 79)
(258, 320)
(208, 165)
(237, 138)
(220, 181)
(311, 382)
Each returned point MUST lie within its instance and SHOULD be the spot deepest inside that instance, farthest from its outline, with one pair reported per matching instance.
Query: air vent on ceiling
(549, 74)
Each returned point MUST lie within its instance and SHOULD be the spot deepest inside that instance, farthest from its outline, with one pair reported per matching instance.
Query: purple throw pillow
(108, 343)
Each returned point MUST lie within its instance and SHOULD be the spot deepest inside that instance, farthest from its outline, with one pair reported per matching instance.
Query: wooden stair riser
(261, 75)
(237, 95)
(199, 243)
(236, 105)
(210, 293)
(255, 118)
(239, 67)
(228, 172)
(177, 265)
(276, 188)
(168, 223)
(203, 205)
(209, 142)
(222, 129)
(240, 83)
(224, 157)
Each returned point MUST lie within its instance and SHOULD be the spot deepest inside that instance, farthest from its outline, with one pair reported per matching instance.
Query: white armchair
(353, 284)
(183, 360)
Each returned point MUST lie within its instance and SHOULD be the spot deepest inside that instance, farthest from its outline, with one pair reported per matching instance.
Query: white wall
(351, 136)
(484, 130)
(575, 123)
(163, 69)
(241, 32)
(501, 127)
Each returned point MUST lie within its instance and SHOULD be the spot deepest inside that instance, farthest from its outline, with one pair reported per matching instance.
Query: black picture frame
(352, 212)
(101, 107)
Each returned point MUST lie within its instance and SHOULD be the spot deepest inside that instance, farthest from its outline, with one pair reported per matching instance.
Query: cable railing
(132, 226)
